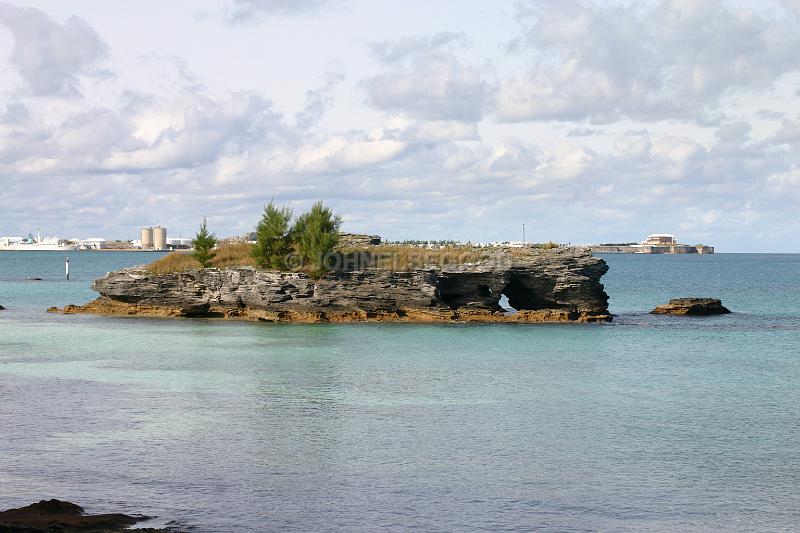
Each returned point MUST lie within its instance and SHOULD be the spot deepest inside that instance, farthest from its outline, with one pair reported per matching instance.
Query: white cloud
(667, 59)
(50, 56)
(318, 101)
(425, 78)
(339, 153)
(247, 11)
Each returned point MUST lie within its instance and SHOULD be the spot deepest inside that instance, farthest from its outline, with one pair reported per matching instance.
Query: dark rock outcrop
(692, 307)
(547, 285)
(2, 308)
(358, 240)
(49, 516)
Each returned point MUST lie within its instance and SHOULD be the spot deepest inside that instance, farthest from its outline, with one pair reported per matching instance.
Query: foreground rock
(545, 286)
(52, 516)
(692, 307)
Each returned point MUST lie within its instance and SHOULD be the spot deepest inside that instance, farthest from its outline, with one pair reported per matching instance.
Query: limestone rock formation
(544, 286)
(358, 240)
(692, 307)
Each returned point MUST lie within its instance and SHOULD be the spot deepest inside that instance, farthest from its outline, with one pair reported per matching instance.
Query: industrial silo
(147, 238)
(160, 238)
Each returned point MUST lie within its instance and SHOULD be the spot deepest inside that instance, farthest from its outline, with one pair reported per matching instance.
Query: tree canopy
(273, 238)
(312, 237)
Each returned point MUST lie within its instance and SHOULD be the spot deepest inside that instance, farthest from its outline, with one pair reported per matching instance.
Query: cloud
(647, 61)
(191, 132)
(789, 133)
(425, 78)
(248, 11)
(437, 131)
(584, 132)
(50, 56)
(318, 101)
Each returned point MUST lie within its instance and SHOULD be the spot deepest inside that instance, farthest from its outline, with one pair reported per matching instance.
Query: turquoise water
(648, 423)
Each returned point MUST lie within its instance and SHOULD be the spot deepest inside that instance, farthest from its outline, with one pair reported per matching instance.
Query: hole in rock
(507, 309)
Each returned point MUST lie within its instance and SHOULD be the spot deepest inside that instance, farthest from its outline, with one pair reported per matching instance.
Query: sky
(587, 121)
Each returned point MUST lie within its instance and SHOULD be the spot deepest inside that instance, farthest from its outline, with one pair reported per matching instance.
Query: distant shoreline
(96, 251)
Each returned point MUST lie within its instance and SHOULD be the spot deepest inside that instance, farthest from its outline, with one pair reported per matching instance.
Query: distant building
(147, 238)
(154, 238)
(179, 243)
(660, 239)
(93, 243)
(160, 238)
(657, 243)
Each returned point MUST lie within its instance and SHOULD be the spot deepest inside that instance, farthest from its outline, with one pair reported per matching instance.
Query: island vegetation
(280, 245)
(312, 244)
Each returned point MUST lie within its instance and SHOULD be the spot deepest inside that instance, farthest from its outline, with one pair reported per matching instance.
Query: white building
(179, 243)
(660, 239)
(93, 243)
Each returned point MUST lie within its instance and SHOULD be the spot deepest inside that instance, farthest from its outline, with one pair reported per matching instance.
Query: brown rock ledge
(107, 306)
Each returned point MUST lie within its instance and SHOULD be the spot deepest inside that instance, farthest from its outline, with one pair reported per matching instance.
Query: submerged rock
(544, 286)
(63, 517)
(692, 307)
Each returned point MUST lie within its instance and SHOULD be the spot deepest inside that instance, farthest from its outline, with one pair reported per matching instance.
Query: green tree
(316, 234)
(273, 239)
(204, 243)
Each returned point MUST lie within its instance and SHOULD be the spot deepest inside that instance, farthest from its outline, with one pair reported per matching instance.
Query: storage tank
(160, 238)
(147, 238)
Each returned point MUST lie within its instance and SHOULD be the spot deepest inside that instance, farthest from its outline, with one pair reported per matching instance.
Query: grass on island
(232, 255)
(404, 258)
(394, 257)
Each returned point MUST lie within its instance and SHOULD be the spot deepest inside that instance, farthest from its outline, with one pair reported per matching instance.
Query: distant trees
(204, 243)
(311, 239)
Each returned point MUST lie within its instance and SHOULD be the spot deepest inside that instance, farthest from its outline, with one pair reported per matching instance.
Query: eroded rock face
(692, 307)
(552, 285)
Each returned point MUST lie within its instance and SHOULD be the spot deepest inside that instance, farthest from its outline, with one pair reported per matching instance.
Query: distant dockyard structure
(656, 243)
(147, 238)
(154, 238)
(160, 238)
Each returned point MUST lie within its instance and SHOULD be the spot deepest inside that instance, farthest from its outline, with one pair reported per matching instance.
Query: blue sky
(587, 121)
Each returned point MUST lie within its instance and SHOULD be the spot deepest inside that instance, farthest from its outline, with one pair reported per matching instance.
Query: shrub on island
(204, 243)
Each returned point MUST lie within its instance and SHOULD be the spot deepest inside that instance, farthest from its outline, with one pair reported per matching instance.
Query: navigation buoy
(66, 268)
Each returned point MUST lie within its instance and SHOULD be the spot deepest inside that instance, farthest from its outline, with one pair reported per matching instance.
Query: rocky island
(692, 307)
(541, 285)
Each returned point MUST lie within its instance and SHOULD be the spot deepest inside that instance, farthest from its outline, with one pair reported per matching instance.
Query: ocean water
(649, 423)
